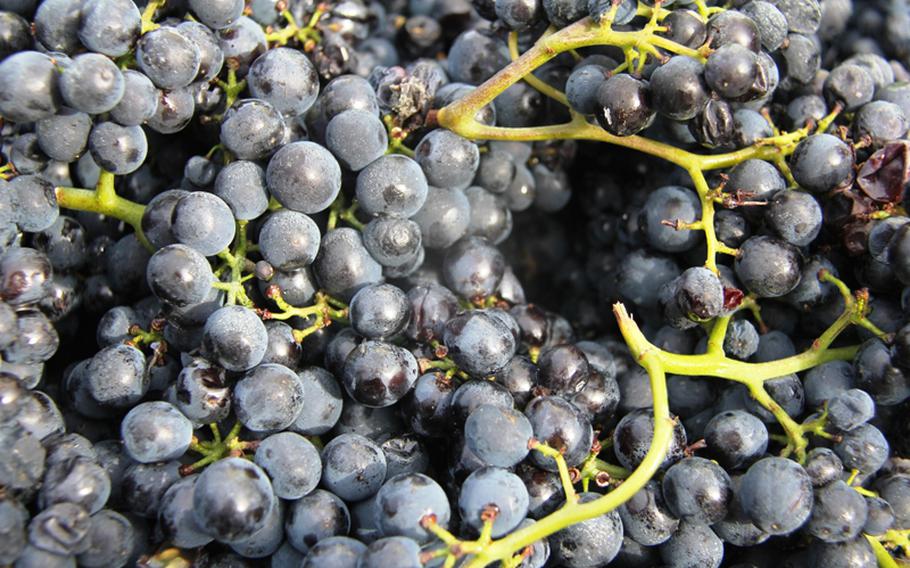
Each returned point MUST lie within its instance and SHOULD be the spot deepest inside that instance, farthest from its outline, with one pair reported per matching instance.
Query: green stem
(104, 199)
(236, 264)
(148, 16)
(884, 558)
(574, 512)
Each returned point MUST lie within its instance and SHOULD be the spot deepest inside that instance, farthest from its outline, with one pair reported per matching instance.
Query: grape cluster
(295, 284)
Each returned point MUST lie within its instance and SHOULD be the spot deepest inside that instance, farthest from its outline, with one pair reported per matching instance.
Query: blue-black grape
(232, 499)
(354, 467)
(496, 488)
(155, 431)
(646, 518)
(593, 542)
(693, 545)
(406, 499)
(697, 490)
(776, 494)
(268, 397)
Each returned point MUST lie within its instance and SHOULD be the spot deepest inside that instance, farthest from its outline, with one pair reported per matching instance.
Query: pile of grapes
(439, 283)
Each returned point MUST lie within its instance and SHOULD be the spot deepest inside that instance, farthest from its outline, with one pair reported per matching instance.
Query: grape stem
(236, 264)
(148, 16)
(460, 116)
(658, 362)
(217, 448)
(104, 200)
(307, 35)
(323, 312)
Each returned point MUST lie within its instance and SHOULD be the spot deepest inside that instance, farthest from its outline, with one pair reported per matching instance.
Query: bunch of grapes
(351, 284)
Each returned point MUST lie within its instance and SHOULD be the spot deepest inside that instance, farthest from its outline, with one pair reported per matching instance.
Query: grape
(490, 217)
(686, 27)
(392, 185)
(204, 222)
(863, 448)
(632, 438)
(391, 551)
(498, 488)
(201, 392)
(448, 160)
(289, 240)
(392, 242)
(285, 78)
(880, 516)
(581, 91)
(118, 149)
(356, 138)
(176, 518)
(335, 551)
(111, 539)
(593, 542)
(795, 216)
(379, 311)
(145, 484)
(563, 427)
(771, 23)
(678, 89)
(405, 499)
(475, 56)
(252, 129)
(173, 111)
(91, 83)
(509, 444)
(838, 514)
(880, 122)
(742, 339)
(697, 490)
(23, 470)
(60, 529)
(217, 14)
(242, 41)
(34, 201)
(117, 376)
(211, 58)
(444, 217)
(776, 494)
(235, 338)
(645, 517)
(302, 176)
(77, 480)
(264, 542)
(64, 135)
(241, 184)
(671, 203)
(322, 402)
(479, 343)
(315, 517)
(232, 499)
(850, 409)
(179, 275)
(623, 105)
(736, 438)
(731, 70)
(353, 467)
(109, 27)
(692, 545)
(56, 26)
(155, 432)
(378, 374)
(850, 85)
(28, 87)
(853, 553)
(268, 397)
(768, 267)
